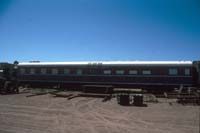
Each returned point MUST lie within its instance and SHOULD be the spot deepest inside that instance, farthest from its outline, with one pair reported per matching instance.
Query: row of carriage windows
(172, 71)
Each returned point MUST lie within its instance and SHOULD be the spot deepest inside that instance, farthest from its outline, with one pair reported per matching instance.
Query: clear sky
(99, 30)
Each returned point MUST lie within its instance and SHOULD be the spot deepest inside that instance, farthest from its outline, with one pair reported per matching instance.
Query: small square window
(146, 72)
(54, 71)
(107, 71)
(120, 72)
(66, 71)
(43, 71)
(22, 71)
(173, 71)
(32, 71)
(187, 71)
(79, 72)
(133, 72)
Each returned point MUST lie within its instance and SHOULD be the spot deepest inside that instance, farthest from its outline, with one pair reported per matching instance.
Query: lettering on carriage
(95, 63)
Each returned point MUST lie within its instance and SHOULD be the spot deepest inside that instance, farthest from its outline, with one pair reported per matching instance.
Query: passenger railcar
(134, 74)
(196, 73)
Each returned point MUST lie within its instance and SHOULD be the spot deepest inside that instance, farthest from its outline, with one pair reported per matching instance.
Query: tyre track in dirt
(32, 117)
(21, 121)
(100, 119)
(84, 102)
(118, 120)
(44, 114)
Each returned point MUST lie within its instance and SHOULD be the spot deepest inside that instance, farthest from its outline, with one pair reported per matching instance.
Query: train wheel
(16, 90)
(6, 88)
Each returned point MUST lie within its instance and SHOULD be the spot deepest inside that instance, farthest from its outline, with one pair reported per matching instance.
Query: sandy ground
(47, 114)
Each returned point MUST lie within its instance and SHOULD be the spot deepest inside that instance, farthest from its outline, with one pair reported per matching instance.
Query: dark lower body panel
(144, 82)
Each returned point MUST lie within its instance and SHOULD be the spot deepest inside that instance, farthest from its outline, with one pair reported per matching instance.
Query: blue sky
(99, 30)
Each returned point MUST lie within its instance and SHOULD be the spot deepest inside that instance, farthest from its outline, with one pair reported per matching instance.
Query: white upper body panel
(111, 63)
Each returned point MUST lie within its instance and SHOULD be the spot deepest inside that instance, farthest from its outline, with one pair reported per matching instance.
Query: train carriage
(134, 74)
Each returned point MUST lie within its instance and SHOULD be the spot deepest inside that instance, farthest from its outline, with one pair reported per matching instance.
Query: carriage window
(133, 72)
(54, 71)
(22, 71)
(32, 71)
(66, 71)
(173, 71)
(43, 71)
(187, 71)
(107, 72)
(146, 72)
(120, 72)
(79, 72)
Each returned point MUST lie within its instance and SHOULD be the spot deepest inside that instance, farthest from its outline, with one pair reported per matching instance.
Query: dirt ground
(47, 114)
